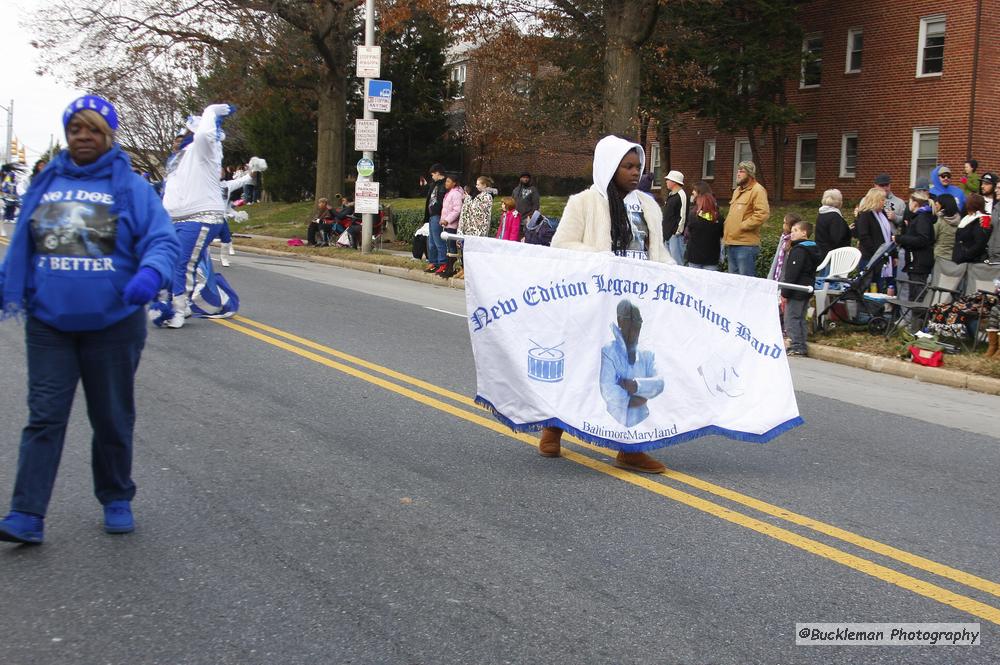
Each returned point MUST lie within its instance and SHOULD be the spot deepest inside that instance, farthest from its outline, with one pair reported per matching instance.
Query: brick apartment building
(893, 85)
(896, 86)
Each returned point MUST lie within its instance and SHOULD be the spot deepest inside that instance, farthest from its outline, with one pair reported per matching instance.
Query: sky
(38, 101)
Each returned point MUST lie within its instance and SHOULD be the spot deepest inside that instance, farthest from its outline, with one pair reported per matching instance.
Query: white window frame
(798, 160)
(850, 50)
(805, 51)
(922, 43)
(457, 75)
(655, 160)
(704, 160)
(843, 155)
(915, 149)
(736, 157)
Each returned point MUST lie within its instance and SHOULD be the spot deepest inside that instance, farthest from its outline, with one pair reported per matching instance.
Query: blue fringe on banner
(643, 446)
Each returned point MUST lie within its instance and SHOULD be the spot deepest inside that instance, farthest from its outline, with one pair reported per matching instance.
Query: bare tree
(190, 34)
(608, 34)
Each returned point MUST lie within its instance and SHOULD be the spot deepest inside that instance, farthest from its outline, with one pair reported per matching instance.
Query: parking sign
(379, 96)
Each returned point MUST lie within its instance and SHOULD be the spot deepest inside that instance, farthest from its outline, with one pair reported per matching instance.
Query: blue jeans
(677, 245)
(743, 259)
(106, 361)
(437, 250)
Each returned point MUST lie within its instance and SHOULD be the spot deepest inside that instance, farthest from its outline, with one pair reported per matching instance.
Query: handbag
(344, 240)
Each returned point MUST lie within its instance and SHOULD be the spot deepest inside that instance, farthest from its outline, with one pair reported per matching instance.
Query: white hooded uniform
(586, 222)
(193, 185)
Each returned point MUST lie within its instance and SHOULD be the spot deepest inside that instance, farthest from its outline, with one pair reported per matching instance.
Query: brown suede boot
(548, 445)
(994, 343)
(640, 462)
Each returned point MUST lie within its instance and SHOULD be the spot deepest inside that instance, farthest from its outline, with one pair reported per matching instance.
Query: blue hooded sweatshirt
(83, 233)
(937, 189)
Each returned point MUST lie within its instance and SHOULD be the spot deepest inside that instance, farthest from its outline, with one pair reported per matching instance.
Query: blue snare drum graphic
(546, 363)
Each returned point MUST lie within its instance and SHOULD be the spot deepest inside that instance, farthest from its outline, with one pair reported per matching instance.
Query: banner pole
(446, 236)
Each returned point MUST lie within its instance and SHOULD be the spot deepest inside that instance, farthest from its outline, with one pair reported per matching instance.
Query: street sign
(366, 135)
(366, 167)
(369, 62)
(366, 198)
(379, 96)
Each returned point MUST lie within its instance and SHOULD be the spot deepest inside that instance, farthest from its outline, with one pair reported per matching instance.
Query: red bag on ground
(925, 357)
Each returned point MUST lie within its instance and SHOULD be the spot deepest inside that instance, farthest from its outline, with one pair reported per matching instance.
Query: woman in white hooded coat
(612, 215)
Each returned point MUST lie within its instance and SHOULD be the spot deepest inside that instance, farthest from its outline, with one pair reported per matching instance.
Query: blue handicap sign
(379, 97)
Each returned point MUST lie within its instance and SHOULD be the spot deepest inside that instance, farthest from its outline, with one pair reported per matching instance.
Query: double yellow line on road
(465, 408)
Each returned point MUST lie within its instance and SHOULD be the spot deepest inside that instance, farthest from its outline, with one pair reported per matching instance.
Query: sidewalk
(902, 368)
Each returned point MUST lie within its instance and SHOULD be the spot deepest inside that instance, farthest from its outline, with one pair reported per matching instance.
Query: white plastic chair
(839, 262)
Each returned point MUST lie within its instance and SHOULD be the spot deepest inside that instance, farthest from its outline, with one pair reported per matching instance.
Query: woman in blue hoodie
(92, 246)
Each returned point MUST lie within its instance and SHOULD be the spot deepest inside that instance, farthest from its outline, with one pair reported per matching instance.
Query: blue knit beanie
(102, 106)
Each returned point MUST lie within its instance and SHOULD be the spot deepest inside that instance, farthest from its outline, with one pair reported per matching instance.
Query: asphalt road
(298, 504)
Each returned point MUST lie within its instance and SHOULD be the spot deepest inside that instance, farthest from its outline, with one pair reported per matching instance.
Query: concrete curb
(908, 370)
(412, 274)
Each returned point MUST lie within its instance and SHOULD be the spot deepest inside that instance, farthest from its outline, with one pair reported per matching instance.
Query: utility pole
(10, 130)
(367, 219)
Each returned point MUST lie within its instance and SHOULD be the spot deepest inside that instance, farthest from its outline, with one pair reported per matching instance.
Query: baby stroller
(854, 306)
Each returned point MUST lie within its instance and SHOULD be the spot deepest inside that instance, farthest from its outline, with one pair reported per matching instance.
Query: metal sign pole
(366, 219)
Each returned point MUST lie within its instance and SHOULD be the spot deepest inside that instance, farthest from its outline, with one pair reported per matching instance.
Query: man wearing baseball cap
(674, 215)
(941, 184)
(895, 207)
(988, 188)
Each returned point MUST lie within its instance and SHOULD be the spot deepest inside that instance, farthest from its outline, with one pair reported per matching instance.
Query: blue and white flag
(627, 354)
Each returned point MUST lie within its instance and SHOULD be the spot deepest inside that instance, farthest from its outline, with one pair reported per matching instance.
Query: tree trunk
(755, 155)
(330, 118)
(628, 24)
(778, 194)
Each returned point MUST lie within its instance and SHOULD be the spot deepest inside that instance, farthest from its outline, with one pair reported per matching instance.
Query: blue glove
(143, 287)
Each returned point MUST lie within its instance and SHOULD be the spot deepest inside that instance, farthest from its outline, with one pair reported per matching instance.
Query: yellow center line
(869, 544)
(920, 587)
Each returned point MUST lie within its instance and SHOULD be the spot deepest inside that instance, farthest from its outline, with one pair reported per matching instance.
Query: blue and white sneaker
(118, 517)
(20, 527)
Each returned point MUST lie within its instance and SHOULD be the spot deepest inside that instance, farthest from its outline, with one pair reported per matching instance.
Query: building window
(708, 160)
(812, 61)
(930, 54)
(855, 45)
(848, 155)
(925, 153)
(805, 162)
(458, 81)
(741, 153)
(654, 165)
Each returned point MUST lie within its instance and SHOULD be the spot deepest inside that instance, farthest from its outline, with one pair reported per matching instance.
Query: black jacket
(433, 209)
(832, 232)
(672, 214)
(869, 233)
(918, 241)
(800, 268)
(704, 239)
(970, 243)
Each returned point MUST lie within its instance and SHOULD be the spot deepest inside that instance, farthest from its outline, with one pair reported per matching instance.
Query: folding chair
(946, 279)
(839, 263)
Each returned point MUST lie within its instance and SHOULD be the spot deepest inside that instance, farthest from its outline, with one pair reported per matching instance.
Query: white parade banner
(628, 354)
(366, 135)
(366, 197)
(369, 62)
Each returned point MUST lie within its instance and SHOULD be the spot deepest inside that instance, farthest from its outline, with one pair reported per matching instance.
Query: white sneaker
(224, 259)
(176, 321)
(229, 247)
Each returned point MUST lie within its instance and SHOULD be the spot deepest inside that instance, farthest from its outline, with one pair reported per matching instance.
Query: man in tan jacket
(748, 210)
